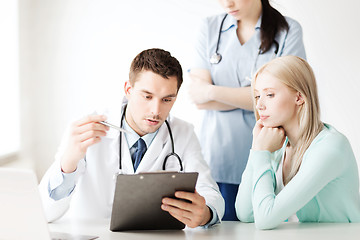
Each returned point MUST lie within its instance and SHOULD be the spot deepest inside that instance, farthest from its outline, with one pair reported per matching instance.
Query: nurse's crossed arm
(206, 95)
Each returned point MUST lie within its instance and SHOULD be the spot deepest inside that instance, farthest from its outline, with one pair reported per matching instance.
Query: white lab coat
(94, 192)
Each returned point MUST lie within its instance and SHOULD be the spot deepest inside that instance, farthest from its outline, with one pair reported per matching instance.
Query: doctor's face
(150, 100)
(276, 104)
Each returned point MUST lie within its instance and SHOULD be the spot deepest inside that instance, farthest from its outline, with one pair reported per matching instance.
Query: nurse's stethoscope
(216, 57)
(172, 153)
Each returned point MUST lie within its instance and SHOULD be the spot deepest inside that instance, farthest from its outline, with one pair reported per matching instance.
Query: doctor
(80, 182)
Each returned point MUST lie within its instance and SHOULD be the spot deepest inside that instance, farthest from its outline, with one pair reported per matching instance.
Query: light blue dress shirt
(226, 136)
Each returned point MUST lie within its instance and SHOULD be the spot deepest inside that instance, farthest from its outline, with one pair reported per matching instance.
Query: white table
(223, 231)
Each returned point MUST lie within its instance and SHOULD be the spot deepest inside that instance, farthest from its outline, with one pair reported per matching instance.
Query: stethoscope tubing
(172, 153)
(217, 57)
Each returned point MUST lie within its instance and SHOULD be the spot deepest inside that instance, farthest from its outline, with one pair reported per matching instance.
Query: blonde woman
(299, 168)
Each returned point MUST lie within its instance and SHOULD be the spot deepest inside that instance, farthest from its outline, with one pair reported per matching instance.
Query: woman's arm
(320, 166)
(243, 203)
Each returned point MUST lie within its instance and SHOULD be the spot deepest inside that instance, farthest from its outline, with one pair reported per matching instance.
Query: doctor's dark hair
(272, 22)
(158, 61)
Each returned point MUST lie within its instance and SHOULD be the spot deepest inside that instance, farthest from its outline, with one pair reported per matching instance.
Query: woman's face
(239, 8)
(276, 104)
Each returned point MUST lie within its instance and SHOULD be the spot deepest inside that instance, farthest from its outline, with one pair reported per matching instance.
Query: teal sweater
(325, 189)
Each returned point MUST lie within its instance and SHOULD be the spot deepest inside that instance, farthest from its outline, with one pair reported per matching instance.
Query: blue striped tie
(139, 153)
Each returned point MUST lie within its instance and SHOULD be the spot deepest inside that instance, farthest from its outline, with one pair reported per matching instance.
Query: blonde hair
(297, 75)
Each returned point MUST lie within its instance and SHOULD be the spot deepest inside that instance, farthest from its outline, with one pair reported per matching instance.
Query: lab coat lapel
(127, 164)
(154, 151)
(114, 152)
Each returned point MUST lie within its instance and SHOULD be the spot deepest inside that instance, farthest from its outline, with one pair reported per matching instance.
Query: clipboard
(137, 200)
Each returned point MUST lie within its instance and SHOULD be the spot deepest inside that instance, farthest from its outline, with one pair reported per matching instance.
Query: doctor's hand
(267, 138)
(193, 214)
(83, 133)
(199, 90)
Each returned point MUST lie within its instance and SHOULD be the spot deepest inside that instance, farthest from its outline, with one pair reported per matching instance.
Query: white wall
(9, 79)
(332, 37)
(75, 56)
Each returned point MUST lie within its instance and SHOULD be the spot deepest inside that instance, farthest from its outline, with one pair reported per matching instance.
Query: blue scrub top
(226, 136)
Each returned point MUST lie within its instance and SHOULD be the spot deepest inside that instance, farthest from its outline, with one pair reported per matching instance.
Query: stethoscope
(216, 57)
(172, 153)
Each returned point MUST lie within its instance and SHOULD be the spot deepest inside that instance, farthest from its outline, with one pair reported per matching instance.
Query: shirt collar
(232, 22)
(133, 137)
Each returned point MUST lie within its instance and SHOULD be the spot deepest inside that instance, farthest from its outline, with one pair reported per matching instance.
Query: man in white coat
(80, 182)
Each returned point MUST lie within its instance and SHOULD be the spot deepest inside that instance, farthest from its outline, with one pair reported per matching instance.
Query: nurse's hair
(295, 73)
(157, 61)
(272, 22)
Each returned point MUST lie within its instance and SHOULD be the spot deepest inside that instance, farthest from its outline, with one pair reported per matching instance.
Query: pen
(113, 126)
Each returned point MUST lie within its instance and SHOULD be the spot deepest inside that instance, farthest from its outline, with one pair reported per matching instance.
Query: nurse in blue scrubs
(230, 48)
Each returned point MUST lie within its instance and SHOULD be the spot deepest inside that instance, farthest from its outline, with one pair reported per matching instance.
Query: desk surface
(225, 230)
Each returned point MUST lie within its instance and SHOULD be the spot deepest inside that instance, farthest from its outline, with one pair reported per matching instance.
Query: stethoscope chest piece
(215, 58)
